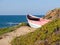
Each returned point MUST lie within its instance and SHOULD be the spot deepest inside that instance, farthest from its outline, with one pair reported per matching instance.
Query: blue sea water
(11, 20)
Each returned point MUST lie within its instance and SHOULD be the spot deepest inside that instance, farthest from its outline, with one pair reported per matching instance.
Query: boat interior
(32, 18)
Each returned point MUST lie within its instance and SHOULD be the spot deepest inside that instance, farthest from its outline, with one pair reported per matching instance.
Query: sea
(12, 20)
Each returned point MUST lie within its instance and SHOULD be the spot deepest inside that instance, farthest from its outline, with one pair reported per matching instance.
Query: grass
(10, 29)
(46, 35)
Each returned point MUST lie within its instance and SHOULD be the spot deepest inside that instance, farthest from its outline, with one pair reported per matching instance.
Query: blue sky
(23, 7)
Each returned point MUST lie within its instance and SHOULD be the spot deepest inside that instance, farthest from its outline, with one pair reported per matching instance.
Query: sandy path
(9, 36)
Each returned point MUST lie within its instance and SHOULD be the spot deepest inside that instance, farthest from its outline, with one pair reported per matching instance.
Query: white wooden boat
(36, 22)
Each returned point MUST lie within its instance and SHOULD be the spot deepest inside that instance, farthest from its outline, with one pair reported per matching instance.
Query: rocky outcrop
(53, 14)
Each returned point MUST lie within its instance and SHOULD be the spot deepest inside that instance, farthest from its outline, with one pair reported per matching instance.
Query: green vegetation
(9, 29)
(48, 34)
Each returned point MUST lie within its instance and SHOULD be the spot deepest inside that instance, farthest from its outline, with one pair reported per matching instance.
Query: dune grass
(12, 28)
(48, 34)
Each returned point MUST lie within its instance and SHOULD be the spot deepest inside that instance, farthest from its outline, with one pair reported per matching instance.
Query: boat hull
(34, 25)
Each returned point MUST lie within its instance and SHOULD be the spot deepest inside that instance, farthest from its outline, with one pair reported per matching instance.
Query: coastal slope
(48, 34)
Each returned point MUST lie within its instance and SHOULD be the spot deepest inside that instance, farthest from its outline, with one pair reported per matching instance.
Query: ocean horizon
(11, 20)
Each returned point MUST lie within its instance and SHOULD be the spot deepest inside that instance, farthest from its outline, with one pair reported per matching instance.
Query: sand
(8, 37)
